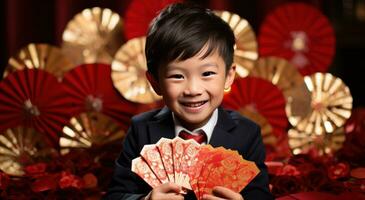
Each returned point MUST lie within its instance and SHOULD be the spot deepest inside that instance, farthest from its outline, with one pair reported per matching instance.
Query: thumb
(170, 188)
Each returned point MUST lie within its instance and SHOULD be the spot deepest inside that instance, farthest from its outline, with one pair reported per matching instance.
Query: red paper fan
(34, 98)
(301, 34)
(260, 96)
(139, 15)
(91, 89)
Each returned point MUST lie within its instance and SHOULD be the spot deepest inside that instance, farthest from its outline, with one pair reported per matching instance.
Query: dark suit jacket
(232, 132)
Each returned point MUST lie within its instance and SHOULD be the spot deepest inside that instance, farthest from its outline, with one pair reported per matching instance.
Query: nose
(193, 88)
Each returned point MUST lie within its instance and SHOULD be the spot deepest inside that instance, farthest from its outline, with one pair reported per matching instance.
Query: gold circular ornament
(89, 129)
(245, 50)
(40, 56)
(128, 72)
(288, 79)
(20, 147)
(266, 128)
(328, 143)
(330, 107)
(93, 36)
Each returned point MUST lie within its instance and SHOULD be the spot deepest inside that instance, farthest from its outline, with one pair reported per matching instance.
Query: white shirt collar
(207, 128)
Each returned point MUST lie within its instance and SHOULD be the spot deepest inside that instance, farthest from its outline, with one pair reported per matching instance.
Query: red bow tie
(200, 137)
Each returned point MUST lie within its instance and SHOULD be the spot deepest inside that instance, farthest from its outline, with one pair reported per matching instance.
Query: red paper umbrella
(260, 96)
(301, 34)
(91, 89)
(34, 98)
(139, 15)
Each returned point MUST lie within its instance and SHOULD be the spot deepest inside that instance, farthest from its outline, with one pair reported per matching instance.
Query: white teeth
(197, 104)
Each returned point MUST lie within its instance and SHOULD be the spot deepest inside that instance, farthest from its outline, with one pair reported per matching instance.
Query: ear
(230, 77)
(153, 82)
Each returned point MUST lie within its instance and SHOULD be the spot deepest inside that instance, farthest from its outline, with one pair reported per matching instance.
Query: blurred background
(38, 21)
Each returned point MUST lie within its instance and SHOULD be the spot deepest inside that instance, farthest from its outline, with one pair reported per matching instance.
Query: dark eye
(208, 73)
(176, 76)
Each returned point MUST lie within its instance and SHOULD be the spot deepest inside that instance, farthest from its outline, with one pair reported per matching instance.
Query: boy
(189, 55)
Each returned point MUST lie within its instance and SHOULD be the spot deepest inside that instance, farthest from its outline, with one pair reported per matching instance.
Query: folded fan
(193, 166)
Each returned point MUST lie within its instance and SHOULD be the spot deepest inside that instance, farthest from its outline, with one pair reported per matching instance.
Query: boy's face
(194, 88)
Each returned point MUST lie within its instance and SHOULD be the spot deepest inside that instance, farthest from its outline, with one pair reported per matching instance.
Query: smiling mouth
(193, 104)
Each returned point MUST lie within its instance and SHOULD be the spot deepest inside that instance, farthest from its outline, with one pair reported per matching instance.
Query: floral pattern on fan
(195, 167)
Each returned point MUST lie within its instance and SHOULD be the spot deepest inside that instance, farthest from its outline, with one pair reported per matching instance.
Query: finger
(174, 196)
(226, 193)
(211, 197)
(180, 197)
(166, 196)
(169, 188)
(221, 191)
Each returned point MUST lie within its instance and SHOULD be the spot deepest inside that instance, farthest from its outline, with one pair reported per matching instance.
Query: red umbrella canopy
(139, 15)
(256, 95)
(34, 98)
(299, 33)
(90, 88)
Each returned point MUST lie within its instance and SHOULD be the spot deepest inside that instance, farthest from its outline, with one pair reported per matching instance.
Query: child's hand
(222, 193)
(166, 191)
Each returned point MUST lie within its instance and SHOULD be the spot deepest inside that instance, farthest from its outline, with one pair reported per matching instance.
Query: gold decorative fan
(92, 36)
(90, 129)
(287, 78)
(330, 106)
(128, 72)
(20, 147)
(245, 52)
(42, 56)
(266, 128)
(302, 142)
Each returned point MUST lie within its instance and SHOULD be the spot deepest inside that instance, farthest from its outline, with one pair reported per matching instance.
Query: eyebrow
(203, 65)
(209, 64)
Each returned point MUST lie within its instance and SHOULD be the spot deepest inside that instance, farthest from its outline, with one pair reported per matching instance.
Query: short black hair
(181, 30)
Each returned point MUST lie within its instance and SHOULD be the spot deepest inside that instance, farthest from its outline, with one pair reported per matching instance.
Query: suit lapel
(221, 135)
(162, 125)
